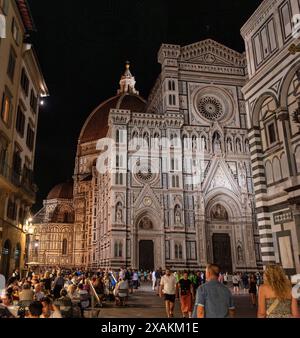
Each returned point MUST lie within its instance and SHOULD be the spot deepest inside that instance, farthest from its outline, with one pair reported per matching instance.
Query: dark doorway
(146, 255)
(222, 252)
(6, 252)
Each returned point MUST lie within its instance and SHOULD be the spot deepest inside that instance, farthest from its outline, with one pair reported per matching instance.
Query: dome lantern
(127, 82)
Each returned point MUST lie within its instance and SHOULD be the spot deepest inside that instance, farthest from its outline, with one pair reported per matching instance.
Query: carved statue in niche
(119, 213)
(203, 143)
(247, 146)
(229, 145)
(146, 224)
(219, 213)
(217, 143)
(238, 145)
(239, 253)
(242, 175)
(177, 214)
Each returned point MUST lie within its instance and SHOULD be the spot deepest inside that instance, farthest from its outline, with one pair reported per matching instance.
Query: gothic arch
(151, 215)
(287, 82)
(227, 199)
(255, 116)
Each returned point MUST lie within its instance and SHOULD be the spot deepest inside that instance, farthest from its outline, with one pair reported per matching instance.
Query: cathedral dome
(96, 126)
(61, 191)
(128, 98)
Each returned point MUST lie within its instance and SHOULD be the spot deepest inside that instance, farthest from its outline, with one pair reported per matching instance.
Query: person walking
(245, 280)
(213, 299)
(168, 290)
(252, 289)
(236, 283)
(275, 298)
(153, 275)
(185, 292)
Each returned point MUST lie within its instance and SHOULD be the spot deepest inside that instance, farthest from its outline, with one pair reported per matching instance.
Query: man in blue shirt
(213, 299)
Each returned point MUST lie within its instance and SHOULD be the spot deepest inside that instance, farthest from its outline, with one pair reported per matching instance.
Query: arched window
(269, 172)
(173, 181)
(276, 169)
(118, 249)
(177, 181)
(178, 251)
(65, 247)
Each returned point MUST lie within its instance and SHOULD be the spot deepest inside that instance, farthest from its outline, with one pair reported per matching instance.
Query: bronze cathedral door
(222, 252)
(146, 255)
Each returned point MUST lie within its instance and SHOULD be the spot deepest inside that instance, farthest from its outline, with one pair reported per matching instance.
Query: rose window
(210, 108)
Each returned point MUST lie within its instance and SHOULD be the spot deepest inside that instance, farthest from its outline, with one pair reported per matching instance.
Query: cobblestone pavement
(144, 303)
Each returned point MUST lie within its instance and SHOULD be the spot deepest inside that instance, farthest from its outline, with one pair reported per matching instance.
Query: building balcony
(17, 181)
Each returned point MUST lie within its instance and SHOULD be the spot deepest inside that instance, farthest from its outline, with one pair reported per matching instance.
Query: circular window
(214, 104)
(211, 108)
(145, 174)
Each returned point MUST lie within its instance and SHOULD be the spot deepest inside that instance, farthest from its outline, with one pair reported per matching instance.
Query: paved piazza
(145, 304)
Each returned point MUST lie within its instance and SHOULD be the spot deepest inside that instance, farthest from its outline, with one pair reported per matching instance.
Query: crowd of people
(212, 296)
(59, 293)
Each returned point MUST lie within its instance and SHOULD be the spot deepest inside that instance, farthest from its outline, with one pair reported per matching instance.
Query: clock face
(147, 201)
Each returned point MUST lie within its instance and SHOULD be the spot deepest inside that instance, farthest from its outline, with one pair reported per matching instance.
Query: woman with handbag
(275, 295)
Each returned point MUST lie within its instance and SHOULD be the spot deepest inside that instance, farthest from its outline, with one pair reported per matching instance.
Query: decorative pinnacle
(127, 82)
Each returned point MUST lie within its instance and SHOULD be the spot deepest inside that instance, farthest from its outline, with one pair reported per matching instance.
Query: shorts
(170, 298)
(235, 284)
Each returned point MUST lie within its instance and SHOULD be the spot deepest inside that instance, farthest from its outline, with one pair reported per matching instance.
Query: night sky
(83, 46)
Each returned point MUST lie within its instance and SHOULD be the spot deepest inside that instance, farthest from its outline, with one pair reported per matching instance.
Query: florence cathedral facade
(178, 191)
(190, 175)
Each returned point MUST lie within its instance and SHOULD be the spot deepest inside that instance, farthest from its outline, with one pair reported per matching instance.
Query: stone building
(21, 86)
(272, 96)
(162, 182)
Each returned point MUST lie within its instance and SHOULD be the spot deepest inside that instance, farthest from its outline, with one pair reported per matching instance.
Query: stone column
(260, 189)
